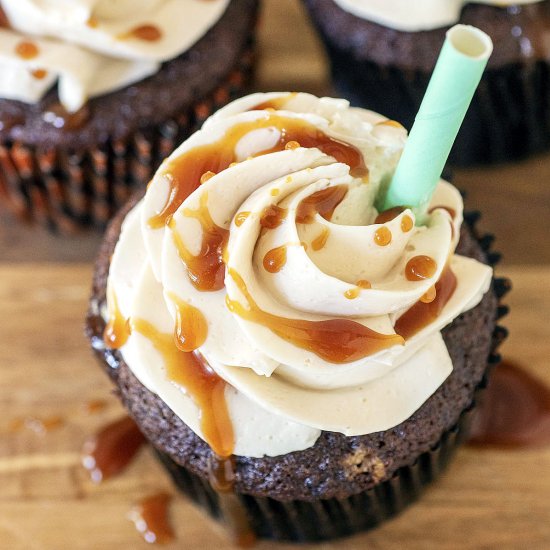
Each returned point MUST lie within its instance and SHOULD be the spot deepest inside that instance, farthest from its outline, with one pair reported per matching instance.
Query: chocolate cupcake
(303, 364)
(94, 95)
(383, 52)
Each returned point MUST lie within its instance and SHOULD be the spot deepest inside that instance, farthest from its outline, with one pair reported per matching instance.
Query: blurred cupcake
(95, 93)
(302, 363)
(382, 53)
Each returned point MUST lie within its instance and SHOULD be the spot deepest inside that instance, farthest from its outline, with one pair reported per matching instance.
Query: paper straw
(455, 78)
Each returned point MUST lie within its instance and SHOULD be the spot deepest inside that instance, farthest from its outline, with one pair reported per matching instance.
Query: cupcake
(302, 364)
(95, 94)
(382, 53)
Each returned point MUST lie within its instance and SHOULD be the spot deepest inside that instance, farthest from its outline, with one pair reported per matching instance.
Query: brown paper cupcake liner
(509, 117)
(68, 191)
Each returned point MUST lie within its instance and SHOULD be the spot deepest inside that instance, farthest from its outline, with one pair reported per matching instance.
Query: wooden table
(487, 499)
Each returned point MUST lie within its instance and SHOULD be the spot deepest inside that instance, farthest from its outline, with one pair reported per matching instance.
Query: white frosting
(279, 395)
(420, 15)
(86, 46)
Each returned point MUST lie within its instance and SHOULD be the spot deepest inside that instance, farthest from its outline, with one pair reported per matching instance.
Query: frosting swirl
(92, 47)
(426, 14)
(279, 274)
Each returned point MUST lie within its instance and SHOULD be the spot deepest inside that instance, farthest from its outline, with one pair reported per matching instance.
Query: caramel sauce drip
(204, 386)
(322, 202)
(221, 475)
(27, 50)
(39, 74)
(276, 104)
(321, 240)
(147, 33)
(191, 325)
(275, 259)
(334, 340)
(353, 293)
(419, 268)
(184, 172)
(422, 314)
(240, 218)
(389, 215)
(117, 330)
(272, 216)
(514, 411)
(207, 270)
(383, 236)
(429, 296)
(406, 224)
(150, 517)
(111, 450)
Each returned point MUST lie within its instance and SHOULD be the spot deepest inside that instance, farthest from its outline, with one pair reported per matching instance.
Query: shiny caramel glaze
(275, 259)
(150, 516)
(389, 214)
(514, 410)
(147, 33)
(221, 475)
(27, 49)
(240, 218)
(191, 326)
(322, 202)
(422, 314)
(117, 329)
(419, 268)
(272, 216)
(334, 340)
(353, 293)
(207, 270)
(184, 172)
(203, 385)
(321, 240)
(406, 224)
(429, 296)
(383, 236)
(108, 452)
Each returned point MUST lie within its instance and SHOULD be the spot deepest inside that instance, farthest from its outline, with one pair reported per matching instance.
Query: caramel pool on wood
(204, 386)
(184, 172)
(334, 340)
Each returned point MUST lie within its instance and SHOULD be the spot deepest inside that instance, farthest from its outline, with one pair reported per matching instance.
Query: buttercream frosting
(281, 392)
(92, 47)
(420, 15)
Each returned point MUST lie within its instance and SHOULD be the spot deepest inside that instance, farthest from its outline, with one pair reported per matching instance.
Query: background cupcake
(329, 437)
(382, 54)
(95, 94)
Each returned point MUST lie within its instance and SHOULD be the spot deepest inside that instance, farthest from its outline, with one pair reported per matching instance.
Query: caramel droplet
(389, 215)
(117, 330)
(272, 216)
(292, 145)
(275, 259)
(429, 297)
(419, 268)
(150, 516)
(206, 176)
(382, 236)
(321, 240)
(191, 326)
(352, 293)
(406, 224)
(92, 22)
(27, 50)
(39, 74)
(240, 218)
(275, 192)
(363, 284)
(148, 33)
(322, 202)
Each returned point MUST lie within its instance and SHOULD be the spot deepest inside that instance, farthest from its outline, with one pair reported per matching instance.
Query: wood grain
(487, 499)
(515, 199)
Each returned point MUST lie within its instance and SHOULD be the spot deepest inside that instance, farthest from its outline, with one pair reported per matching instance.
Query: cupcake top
(260, 293)
(92, 47)
(421, 15)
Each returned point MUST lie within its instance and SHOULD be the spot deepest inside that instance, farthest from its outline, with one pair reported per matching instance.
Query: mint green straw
(455, 78)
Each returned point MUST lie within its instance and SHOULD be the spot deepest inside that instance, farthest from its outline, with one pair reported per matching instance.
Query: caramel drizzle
(272, 216)
(203, 385)
(423, 313)
(184, 172)
(147, 33)
(117, 330)
(275, 259)
(389, 214)
(322, 202)
(321, 240)
(191, 326)
(207, 270)
(240, 218)
(334, 340)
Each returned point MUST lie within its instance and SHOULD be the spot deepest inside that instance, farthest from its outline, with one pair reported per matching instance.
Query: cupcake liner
(67, 191)
(509, 117)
